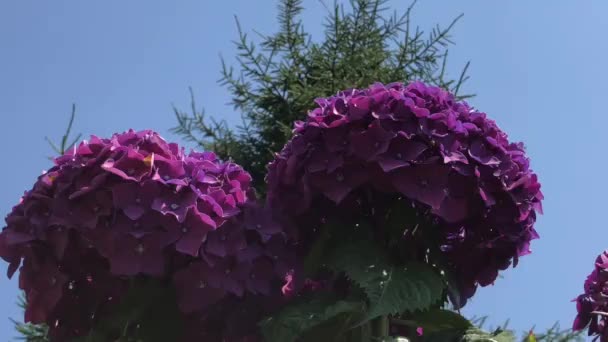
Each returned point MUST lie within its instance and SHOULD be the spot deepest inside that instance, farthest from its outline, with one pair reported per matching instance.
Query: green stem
(380, 328)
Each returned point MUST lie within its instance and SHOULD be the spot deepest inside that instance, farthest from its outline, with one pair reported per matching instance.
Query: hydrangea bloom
(112, 209)
(592, 306)
(361, 150)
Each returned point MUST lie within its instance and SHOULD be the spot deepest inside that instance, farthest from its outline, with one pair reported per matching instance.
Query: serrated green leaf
(389, 289)
(437, 320)
(336, 329)
(296, 319)
(406, 289)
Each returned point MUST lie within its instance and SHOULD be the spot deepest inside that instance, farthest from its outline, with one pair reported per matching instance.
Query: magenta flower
(135, 205)
(592, 305)
(360, 151)
(135, 199)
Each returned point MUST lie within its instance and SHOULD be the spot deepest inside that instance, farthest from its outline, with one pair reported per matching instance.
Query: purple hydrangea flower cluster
(453, 164)
(592, 306)
(112, 209)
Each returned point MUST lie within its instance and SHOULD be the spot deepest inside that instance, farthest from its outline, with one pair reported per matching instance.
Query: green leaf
(413, 287)
(275, 79)
(477, 335)
(390, 289)
(336, 329)
(298, 318)
(436, 320)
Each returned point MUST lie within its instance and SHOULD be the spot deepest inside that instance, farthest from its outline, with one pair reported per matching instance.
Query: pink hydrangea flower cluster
(592, 305)
(135, 205)
(447, 160)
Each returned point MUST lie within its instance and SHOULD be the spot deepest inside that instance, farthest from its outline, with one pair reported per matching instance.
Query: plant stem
(380, 328)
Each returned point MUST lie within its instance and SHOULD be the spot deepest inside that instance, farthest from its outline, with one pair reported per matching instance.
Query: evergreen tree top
(278, 76)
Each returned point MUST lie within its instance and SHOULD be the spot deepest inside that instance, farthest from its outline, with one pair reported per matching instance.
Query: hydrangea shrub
(112, 211)
(387, 203)
(592, 306)
(406, 194)
(365, 153)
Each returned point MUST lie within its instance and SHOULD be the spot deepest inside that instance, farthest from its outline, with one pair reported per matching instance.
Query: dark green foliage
(148, 313)
(390, 289)
(278, 76)
(137, 319)
(436, 320)
(379, 288)
(306, 316)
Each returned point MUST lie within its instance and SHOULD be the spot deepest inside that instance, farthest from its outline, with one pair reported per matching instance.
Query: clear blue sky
(538, 68)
